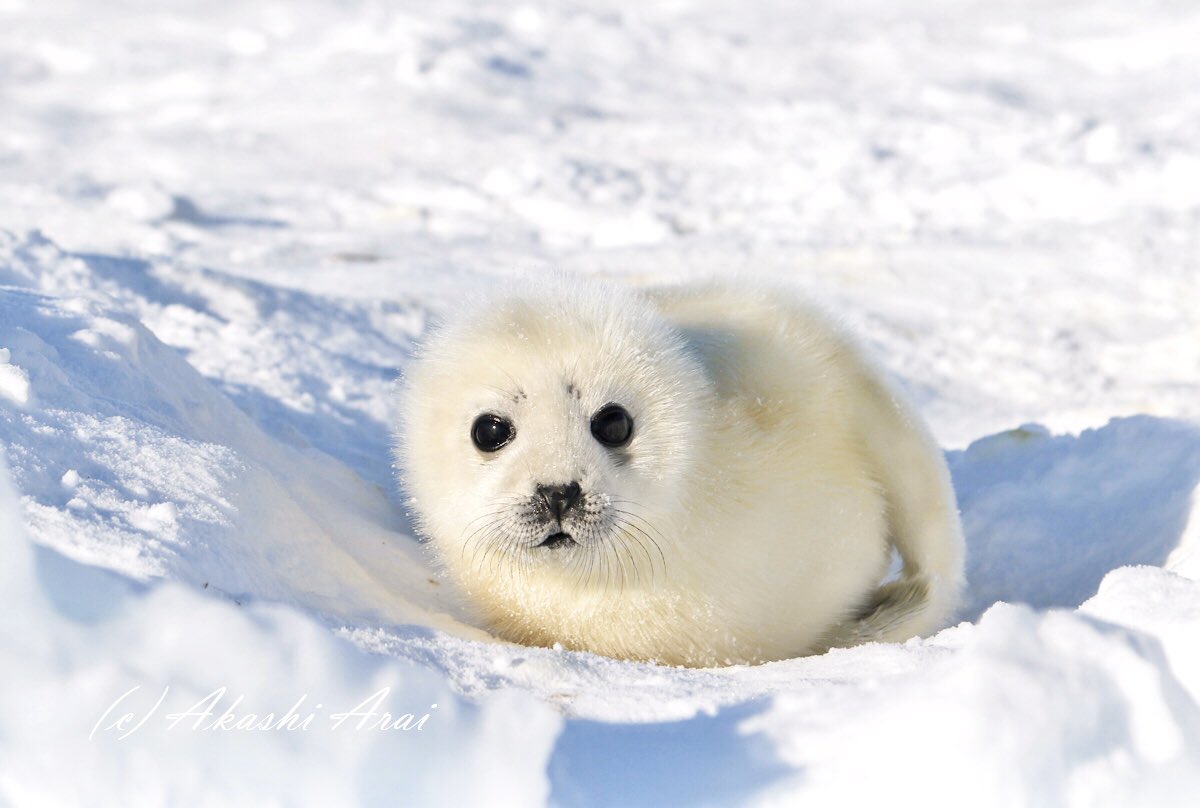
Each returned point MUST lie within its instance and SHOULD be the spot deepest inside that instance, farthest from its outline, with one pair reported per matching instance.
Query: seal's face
(571, 515)
(556, 475)
(550, 440)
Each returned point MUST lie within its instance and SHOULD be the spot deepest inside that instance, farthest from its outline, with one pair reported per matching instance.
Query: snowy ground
(223, 227)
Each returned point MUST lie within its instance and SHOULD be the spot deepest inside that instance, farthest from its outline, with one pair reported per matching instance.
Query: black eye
(612, 425)
(490, 432)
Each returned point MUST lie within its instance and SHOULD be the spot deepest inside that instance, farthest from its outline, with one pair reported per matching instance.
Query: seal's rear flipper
(923, 524)
(890, 606)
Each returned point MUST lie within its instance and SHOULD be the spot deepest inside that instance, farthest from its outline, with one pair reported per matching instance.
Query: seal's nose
(560, 498)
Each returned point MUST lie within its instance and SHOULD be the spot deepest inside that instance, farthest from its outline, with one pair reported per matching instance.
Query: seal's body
(700, 476)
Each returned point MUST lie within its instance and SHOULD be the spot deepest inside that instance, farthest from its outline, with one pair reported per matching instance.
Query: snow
(223, 229)
(1100, 723)
(14, 382)
(83, 648)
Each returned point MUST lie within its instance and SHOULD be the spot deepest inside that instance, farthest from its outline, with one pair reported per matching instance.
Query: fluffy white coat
(750, 518)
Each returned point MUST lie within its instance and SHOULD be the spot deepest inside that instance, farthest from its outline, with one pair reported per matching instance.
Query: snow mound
(166, 476)
(1057, 709)
(1048, 516)
(83, 648)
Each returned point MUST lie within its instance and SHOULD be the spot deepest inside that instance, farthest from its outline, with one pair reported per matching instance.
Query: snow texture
(224, 227)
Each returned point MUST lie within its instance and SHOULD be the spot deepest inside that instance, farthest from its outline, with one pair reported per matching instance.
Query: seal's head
(546, 441)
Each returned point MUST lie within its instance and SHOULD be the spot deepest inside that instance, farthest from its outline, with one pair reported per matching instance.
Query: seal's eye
(612, 425)
(490, 432)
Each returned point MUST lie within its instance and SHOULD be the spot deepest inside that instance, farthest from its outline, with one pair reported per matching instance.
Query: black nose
(560, 498)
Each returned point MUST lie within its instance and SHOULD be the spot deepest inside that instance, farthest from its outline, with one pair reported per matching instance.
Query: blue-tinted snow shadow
(342, 332)
(81, 592)
(704, 760)
(1046, 517)
(184, 209)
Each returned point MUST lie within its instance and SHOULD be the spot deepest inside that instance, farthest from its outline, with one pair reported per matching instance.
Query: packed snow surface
(224, 227)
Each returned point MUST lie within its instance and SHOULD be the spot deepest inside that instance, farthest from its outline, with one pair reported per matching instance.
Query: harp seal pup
(702, 475)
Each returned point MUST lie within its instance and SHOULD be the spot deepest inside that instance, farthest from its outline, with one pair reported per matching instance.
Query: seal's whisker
(626, 550)
(493, 514)
(611, 549)
(628, 521)
(635, 514)
(619, 566)
(579, 579)
(486, 542)
(593, 562)
(493, 547)
(496, 522)
(621, 526)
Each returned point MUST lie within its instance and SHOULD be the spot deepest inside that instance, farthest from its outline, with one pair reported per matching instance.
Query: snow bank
(1056, 709)
(81, 648)
(132, 460)
(1049, 515)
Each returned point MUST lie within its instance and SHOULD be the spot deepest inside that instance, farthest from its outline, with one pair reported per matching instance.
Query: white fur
(751, 518)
